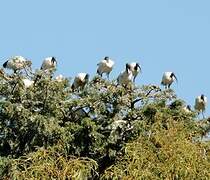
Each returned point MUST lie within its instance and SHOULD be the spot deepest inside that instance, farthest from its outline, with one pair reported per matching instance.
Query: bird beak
(139, 66)
(175, 78)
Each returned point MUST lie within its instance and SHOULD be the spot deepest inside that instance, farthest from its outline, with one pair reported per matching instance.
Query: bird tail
(99, 73)
(73, 87)
(5, 64)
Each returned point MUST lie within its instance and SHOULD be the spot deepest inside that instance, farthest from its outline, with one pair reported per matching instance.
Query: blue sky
(162, 35)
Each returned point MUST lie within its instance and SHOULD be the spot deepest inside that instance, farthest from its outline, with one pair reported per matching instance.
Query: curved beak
(175, 78)
(139, 66)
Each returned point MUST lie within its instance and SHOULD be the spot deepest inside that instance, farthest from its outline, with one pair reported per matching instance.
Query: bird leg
(203, 115)
(100, 74)
(134, 78)
(108, 76)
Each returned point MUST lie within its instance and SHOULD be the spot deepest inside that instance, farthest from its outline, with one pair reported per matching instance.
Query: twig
(139, 99)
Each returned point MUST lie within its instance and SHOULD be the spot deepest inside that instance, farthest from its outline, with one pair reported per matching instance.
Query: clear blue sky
(162, 35)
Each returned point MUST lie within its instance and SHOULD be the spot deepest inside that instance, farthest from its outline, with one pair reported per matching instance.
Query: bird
(27, 82)
(105, 66)
(125, 77)
(187, 109)
(135, 68)
(168, 78)
(17, 63)
(49, 63)
(59, 78)
(200, 104)
(80, 81)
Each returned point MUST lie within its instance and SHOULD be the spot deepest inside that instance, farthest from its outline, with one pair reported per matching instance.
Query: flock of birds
(105, 66)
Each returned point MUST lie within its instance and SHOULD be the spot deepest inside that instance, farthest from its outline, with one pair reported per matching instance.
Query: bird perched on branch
(17, 63)
(105, 66)
(187, 109)
(200, 104)
(135, 68)
(126, 76)
(168, 78)
(80, 81)
(59, 78)
(49, 63)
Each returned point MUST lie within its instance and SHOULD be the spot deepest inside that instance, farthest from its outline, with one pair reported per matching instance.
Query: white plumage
(168, 78)
(187, 109)
(201, 103)
(135, 68)
(105, 66)
(16, 63)
(27, 82)
(80, 81)
(125, 77)
(59, 78)
(49, 63)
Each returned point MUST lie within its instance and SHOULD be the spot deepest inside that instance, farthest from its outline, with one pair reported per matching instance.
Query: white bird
(187, 109)
(168, 78)
(80, 81)
(135, 68)
(27, 82)
(59, 78)
(17, 63)
(49, 63)
(105, 66)
(125, 77)
(200, 104)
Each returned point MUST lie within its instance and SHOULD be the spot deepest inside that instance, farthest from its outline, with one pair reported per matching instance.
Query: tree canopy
(104, 131)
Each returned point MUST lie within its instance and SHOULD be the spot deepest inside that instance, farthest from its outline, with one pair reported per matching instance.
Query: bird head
(53, 60)
(189, 107)
(128, 68)
(87, 77)
(5, 64)
(202, 97)
(106, 58)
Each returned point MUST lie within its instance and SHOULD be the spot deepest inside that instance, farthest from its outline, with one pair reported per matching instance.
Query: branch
(148, 93)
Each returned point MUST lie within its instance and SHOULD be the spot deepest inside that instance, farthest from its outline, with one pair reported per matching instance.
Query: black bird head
(106, 58)
(202, 97)
(127, 67)
(189, 108)
(5, 64)
(87, 77)
(53, 60)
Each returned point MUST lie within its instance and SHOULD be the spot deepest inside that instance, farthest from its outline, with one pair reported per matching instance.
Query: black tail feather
(5, 64)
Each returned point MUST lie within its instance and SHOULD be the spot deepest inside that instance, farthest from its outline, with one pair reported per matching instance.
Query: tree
(103, 131)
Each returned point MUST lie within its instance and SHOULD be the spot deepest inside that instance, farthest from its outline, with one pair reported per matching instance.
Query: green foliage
(169, 152)
(104, 131)
(51, 164)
